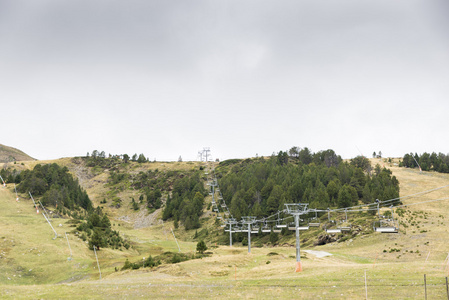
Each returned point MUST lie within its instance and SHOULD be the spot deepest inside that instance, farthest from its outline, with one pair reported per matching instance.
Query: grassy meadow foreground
(36, 266)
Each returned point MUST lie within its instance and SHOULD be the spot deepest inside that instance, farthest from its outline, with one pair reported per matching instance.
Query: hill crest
(10, 154)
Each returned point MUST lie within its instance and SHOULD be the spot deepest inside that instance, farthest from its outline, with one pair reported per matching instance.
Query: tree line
(97, 157)
(428, 162)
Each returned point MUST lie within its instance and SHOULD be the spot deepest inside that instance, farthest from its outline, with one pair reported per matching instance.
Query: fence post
(366, 288)
(447, 289)
(425, 286)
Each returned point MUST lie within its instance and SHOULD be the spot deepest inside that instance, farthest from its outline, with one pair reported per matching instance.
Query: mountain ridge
(11, 154)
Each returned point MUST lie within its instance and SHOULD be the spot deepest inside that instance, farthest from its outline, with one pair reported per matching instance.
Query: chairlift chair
(386, 226)
(291, 226)
(276, 229)
(303, 226)
(266, 229)
(333, 230)
(314, 222)
(345, 228)
(280, 225)
(331, 223)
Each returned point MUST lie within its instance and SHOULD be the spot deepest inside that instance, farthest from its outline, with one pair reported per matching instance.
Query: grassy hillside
(10, 154)
(394, 264)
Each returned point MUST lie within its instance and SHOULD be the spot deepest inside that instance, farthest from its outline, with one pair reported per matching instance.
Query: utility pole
(297, 209)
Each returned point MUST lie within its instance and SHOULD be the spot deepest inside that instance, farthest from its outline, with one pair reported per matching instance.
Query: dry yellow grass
(233, 273)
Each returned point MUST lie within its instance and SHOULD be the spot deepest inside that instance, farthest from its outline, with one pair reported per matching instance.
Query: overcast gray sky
(167, 78)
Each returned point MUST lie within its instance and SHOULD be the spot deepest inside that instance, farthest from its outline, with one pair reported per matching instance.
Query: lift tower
(297, 209)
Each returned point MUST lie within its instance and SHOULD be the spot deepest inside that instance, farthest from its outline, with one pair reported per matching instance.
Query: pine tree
(201, 247)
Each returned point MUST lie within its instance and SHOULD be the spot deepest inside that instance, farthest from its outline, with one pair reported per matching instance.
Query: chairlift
(345, 227)
(386, 226)
(303, 226)
(279, 224)
(333, 230)
(266, 228)
(331, 223)
(315, 221)
(291, 226)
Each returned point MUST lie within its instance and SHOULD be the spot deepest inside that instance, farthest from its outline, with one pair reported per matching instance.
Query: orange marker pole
(298, 267)
(375, 260)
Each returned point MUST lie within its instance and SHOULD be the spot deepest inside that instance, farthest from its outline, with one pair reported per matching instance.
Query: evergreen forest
(261, 186)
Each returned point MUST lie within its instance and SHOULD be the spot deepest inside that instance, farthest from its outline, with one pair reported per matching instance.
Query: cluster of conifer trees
(261, 186)
(428, 162)
(56, 186)
(186, 201)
